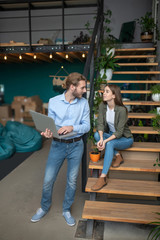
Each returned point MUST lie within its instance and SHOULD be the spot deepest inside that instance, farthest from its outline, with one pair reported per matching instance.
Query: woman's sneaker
(39, 214)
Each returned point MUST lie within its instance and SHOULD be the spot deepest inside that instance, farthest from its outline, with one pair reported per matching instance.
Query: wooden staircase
(136, 177)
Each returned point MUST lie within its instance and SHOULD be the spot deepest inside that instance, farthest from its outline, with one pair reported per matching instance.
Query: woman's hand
(47, 133)
(100, 145)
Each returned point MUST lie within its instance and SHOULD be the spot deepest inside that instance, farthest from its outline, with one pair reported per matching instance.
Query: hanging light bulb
(66, 55)
(83, 55)
(5, 57)
(34, 56)
(20, 57)
(50, 56)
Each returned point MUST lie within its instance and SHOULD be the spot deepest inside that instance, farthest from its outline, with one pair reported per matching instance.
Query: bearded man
(70, 111)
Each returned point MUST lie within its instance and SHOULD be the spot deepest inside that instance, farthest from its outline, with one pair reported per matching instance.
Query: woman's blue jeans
(58, 153)
(112, 147)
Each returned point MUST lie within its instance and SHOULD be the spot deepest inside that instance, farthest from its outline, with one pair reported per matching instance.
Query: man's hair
(73, 79)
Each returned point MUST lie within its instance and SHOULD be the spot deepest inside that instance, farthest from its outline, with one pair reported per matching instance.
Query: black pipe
(30, 30)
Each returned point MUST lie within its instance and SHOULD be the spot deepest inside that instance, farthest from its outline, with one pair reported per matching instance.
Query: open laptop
(42, 122)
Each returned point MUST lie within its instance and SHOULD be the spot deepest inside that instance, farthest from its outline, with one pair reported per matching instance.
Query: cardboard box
(19, 98)
(3, 121)
(17, 110)
(5, 111)
(23, 104)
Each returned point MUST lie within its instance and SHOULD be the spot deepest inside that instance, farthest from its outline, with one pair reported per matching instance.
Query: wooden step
(138, 64)
(142, 115)
(134, 49)
(129, 165)
(144, 103)
(127, 187)
(134, 56)
(136, 72)
(132, 91)
(134, 81)
(136, 91)
(120, 212)
(144, 147)
(143, 130)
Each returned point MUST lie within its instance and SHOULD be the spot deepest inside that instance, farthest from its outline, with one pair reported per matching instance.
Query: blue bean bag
(7, 148)
(25, 138)
(2, 130)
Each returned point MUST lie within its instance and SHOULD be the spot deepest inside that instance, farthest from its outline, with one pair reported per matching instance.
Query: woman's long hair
(117, 92)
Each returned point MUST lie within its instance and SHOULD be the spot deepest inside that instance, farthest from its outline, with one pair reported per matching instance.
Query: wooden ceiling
(43, 57)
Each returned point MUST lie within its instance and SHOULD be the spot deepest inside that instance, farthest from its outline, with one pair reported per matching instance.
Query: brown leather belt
(67, 140)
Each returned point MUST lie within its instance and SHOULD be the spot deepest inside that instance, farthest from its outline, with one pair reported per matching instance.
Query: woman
(113, 132)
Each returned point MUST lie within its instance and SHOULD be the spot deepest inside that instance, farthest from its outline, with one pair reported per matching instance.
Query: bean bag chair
(2, 130)
(7, 148)
(25, 138)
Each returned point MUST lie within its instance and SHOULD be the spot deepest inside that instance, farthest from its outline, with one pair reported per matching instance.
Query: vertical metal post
(84, 163)
(85, 73)
(30, 27)
(63, 24)
(158, 41)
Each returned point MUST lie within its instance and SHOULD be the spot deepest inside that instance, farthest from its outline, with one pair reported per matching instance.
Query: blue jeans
(58, 153)
(111, 148)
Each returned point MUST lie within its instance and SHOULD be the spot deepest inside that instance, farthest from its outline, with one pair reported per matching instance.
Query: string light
(66, 55)
(20, 57)
(50, 56)
(5, 57)
(83, 55)
(34, 56)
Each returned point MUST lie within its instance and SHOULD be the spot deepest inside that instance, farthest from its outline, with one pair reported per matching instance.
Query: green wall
(28, 79)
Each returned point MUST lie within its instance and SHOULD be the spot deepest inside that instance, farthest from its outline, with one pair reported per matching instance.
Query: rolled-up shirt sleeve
(84, 125)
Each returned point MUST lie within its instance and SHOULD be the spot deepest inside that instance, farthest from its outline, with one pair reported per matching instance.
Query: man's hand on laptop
(65, 130)
(47, 133)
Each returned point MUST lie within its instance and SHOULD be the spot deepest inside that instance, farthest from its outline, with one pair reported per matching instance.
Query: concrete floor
(20, 194)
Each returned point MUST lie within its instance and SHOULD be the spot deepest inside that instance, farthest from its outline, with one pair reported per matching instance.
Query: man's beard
(76, 95)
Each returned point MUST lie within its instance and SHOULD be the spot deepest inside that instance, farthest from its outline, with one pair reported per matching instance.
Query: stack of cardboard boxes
(5, 113)
(19, 109)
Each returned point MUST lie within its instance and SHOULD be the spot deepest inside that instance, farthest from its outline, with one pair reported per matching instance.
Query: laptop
(42, 122)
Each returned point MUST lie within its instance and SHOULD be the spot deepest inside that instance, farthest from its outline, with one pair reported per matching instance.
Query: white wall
(122, 11)
(125, 11)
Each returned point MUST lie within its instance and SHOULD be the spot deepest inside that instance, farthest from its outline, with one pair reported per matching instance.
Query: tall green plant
(106, 21)
(146, 22)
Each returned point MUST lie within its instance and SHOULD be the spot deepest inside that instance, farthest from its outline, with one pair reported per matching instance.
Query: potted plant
(82, 38)
(106, 64)
(155, 90)
(94, 154)
(147, 26)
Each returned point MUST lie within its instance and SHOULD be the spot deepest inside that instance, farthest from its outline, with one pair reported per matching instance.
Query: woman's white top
(110, 115)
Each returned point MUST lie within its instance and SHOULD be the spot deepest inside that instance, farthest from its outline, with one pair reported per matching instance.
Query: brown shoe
(101, 182)
(119, 160)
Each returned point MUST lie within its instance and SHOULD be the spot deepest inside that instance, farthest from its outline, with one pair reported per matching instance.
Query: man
(70, 111)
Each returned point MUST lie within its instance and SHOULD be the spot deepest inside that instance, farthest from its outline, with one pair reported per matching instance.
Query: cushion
(25, 138)
(7, 148)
